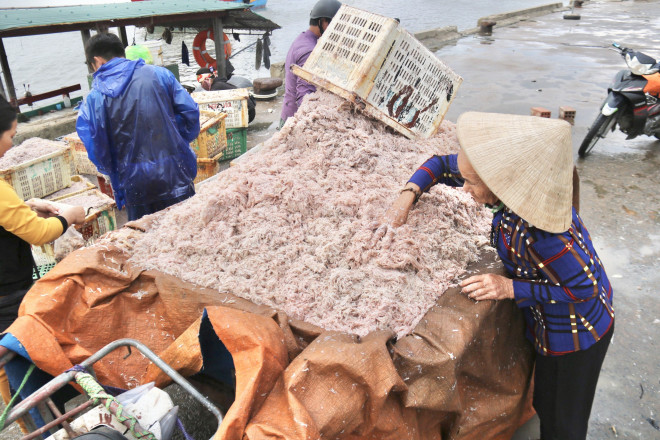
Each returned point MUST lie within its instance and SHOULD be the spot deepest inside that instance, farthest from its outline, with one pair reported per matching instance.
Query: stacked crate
(42, 176)
(234, 103)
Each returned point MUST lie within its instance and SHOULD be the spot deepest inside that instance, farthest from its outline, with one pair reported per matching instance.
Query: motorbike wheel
(596, 131)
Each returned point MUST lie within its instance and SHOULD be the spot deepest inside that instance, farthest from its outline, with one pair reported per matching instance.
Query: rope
(3, 417)
(96, 393)
(179, 424)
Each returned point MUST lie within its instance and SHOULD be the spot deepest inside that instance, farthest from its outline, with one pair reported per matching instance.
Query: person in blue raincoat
(136, 124)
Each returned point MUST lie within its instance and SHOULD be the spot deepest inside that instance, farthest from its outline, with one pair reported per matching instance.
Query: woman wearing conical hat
(522, 168)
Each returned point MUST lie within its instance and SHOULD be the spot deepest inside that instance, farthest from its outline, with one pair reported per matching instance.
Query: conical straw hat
(526, 161)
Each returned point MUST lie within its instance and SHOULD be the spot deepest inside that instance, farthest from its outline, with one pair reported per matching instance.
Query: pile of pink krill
(293, 227)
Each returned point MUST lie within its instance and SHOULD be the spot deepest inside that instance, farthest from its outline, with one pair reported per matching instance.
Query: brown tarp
(464, 373)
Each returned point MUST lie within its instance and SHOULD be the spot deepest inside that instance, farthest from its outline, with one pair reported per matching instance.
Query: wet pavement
(552, 62)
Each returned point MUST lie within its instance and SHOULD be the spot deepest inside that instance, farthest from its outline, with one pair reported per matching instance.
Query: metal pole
(86, 35)
(6, 355)
(218, 39)
(6, 72)
(58, 382)
(56, 412)
(75, 411)
(123, 36)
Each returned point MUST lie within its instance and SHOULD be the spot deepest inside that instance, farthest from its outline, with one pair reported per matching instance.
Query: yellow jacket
(19, 225)
(17, 217)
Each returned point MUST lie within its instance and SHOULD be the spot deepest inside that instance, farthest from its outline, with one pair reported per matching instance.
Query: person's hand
(43, 208)
(395, 216)
(74, 215)
(488, 286)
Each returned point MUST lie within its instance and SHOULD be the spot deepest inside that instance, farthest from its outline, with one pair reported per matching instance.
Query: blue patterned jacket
(558, 280)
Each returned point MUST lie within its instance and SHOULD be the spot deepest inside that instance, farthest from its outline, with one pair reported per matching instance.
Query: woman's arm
(17, 217)
(437, 169)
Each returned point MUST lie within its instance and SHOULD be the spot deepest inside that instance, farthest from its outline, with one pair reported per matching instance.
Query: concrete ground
(549, 61)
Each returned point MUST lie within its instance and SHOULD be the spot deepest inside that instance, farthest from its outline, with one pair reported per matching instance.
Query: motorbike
(632, 102)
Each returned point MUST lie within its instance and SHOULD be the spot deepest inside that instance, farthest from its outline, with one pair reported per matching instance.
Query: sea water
(42, 63)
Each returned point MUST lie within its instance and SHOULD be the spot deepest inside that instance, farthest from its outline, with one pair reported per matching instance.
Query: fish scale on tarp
(463, 373)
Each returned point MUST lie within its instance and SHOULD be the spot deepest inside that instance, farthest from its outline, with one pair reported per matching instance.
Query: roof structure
(16, 22)
(221, 16)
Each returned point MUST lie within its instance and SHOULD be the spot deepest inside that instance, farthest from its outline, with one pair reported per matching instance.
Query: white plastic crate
(81, 160)
(367, 58)
(41, 176)
(232, 102)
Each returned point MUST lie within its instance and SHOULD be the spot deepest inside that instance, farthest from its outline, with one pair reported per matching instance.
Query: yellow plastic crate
(42, 176)
(212, 139)
(207, 168)
(369, 59)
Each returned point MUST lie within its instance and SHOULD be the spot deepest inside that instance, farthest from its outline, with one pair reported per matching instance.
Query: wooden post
(86, 35)
(4, 63)
(123, 36)
(219, 41)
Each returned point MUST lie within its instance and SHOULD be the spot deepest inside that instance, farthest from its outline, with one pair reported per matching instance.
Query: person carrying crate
(296, 88)
(21, 224)
(137, 124)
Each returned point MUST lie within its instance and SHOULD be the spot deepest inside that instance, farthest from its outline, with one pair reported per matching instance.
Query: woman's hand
(74, 215)
(397, 215)
(488, 286)
(43, 208)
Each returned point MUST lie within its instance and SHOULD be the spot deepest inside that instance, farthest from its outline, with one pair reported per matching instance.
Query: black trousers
(564, 388)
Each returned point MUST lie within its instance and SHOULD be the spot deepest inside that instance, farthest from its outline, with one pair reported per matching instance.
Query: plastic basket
(368, 58)
(232, 102)
(99, 221)
(105, 186)
(42, 176)
(81, 160)
(44, 258)
(236, 143)
(74, 179)
(207, 168)
(212, 139)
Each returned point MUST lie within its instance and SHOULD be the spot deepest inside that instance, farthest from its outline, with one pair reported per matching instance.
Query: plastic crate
(207, 168)
(232, 102)
(42, 176)
(105, 186)
(212, 139)
(74, 179)
(44, 258)
(236, 143)
(81, 160)
(98, 221)
(367, 58)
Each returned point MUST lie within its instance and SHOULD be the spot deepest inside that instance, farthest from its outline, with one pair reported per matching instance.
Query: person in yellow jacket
(22, 224)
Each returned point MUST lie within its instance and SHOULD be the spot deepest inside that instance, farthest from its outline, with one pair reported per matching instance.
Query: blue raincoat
(136, 124)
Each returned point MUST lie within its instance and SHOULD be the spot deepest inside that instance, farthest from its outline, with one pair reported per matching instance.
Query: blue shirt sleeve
(438, 169)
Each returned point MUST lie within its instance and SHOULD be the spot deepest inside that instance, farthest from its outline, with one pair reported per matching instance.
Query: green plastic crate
(43, 270)
(236, 143)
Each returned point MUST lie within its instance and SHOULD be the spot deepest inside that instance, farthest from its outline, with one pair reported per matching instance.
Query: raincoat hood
(112, 78)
